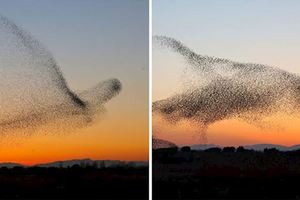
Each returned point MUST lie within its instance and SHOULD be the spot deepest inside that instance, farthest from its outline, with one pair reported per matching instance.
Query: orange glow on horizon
(107, 140)
(284, 130)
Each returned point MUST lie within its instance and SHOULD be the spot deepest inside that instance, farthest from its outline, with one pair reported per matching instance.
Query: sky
(91, 40)
(256, 31)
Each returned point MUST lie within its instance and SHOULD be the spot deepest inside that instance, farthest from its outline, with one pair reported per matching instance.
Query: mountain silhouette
(203, 146)
(82, 163)
(10, 165)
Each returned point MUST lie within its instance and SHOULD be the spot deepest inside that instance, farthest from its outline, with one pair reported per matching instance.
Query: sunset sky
(258, 31)
(91, 41)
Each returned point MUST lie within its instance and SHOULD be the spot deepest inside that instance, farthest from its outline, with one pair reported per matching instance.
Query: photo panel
(225, 99)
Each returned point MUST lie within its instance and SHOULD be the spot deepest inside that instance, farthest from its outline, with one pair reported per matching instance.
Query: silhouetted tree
(171, 150)
(102, 164)
(271, 150)
(18, 168)
(76, 166)
(95, 164)
(240, 149)
(186, 149)
(267, 174)
(229, 149)
(213, 149)
(82, 164)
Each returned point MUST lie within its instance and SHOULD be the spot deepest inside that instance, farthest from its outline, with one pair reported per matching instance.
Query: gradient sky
(91, 40)
(258, 31)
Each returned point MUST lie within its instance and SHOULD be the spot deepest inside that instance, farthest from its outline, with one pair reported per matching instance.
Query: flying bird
(33, 90)
(227, 89)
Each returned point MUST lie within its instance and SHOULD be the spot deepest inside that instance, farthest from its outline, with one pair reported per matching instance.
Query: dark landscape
(226, 173)
(75, 179)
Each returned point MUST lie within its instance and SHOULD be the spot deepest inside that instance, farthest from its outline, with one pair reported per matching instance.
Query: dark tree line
(225, 173)
(75, 182)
